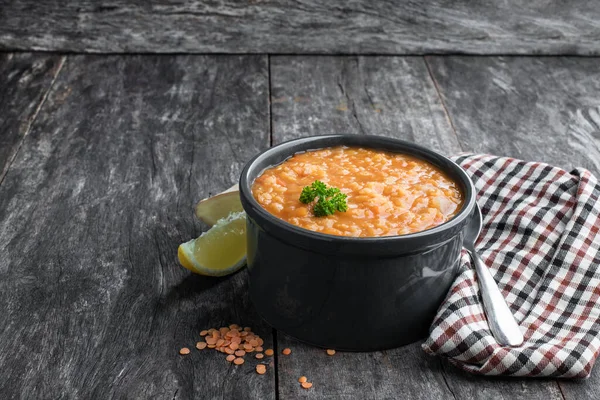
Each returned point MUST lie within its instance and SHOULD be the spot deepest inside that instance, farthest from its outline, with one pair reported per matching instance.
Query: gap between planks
(446, 112)
(270, 103)
(445, 378)
(276, 362)
(451, 122)
(33, 118)
(273, 330)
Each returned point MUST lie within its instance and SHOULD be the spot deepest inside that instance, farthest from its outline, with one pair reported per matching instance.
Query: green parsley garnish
(329, 200)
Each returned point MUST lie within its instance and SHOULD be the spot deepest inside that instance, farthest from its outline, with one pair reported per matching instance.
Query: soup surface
(388, 193)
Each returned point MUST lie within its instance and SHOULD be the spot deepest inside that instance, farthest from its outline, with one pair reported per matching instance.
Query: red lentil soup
(388, 193)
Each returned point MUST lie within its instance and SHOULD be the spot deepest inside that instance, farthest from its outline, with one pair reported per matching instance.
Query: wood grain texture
(537, 109)
(388, 96)
(94, 303)
(544, 109)
(471, 387)
(403, 373)
(25, 79)
(303, 26)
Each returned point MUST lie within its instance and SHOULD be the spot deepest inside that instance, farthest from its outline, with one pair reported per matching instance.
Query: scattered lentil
(330, 352)
(269, 352)
(201, 345)
(302, 379)
(306, 385)
(238, 361)
(287, 351)
(261, 369)
(211, 340)
(234, 341)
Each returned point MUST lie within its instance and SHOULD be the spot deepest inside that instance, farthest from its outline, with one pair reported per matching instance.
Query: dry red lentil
(238, 361)
(261, 369)
(228, 340)
(211, 340)
(201, 345)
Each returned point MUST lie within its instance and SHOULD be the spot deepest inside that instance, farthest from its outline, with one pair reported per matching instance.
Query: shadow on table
(194, 284)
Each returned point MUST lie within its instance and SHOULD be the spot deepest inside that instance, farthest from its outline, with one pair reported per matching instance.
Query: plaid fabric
(540, 240)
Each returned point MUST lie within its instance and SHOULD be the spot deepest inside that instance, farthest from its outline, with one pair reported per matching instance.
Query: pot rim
(290, 147)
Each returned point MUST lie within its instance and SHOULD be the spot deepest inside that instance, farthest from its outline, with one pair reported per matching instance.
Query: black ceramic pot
(346, 293)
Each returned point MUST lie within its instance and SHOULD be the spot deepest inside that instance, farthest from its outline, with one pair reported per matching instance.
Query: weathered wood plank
(319, 95)
(471, 387)
(544, 109)
(24, 81)
(389, 96)
(404, 373)
(94, 303)
(538, 109)
(304, 26)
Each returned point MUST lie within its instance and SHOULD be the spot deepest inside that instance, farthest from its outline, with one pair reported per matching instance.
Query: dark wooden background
(303, 26)
(102, 158)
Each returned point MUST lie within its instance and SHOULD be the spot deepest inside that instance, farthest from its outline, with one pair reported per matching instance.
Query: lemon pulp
(219, 251)
(223, 247)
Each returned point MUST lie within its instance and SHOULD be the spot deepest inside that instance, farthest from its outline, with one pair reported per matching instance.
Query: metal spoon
(502, 323)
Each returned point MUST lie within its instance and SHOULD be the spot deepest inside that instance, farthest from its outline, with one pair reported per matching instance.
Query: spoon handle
(502, 323)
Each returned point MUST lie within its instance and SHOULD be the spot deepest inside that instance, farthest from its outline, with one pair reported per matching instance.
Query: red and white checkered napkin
(540, 240)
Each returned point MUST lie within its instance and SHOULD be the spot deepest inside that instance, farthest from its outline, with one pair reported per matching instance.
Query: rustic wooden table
(103, 156)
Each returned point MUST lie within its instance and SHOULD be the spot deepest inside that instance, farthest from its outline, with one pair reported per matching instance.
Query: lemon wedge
(219, 206)
(219, 251)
